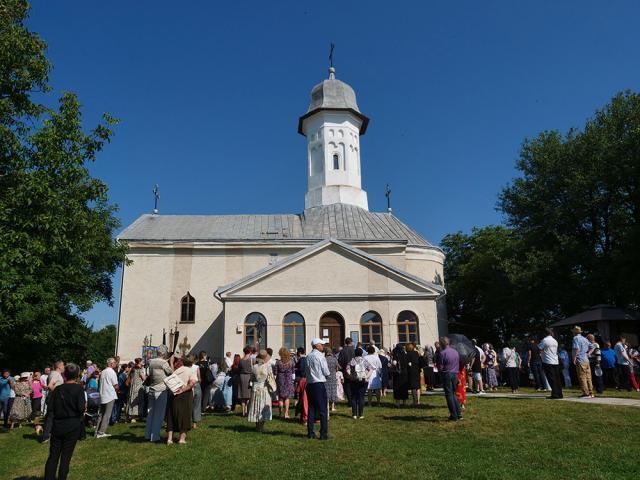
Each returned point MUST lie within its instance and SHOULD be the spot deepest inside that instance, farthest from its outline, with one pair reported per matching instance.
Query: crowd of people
(62, 400)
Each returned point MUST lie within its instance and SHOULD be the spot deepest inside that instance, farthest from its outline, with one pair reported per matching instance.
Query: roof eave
(363, 118)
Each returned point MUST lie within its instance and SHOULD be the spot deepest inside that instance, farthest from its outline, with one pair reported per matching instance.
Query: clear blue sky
(209, 94)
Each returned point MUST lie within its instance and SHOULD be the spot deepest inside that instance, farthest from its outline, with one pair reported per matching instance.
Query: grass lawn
(499, 438)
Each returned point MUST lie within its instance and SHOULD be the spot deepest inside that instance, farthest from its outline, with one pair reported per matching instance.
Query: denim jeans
(4, 408)
(538, 379)
(450, 382)
(156, 409)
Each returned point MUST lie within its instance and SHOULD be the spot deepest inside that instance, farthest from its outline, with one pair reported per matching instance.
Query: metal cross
(331, 55)
(387, 193)
(184, 347)
(156, 196)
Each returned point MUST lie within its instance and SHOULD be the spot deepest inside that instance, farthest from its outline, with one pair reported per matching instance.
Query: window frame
(252, 326)
(189, 302)
(368, 325)
(404, 332)
(295, 327)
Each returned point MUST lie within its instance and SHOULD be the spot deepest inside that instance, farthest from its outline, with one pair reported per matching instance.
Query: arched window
(408, 327)
(187, 309)
(293, 331)
(371, 328)
(336, 161)
(255, 330)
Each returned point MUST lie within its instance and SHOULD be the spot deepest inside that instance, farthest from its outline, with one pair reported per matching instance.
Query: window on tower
(336, 161)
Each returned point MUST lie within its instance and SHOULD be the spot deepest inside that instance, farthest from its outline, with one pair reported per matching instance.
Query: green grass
(499, 438)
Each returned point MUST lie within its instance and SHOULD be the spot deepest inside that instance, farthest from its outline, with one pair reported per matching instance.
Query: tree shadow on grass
(251, 428)
(27, 478)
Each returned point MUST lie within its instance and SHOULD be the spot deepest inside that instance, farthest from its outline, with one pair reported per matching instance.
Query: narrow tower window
(336, 161)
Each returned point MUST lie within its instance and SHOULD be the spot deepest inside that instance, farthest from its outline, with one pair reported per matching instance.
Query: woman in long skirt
(260, 402)
(332, 380)
(400, 374)
(135, 401)
(285, 368)
(245, 369)
(180, 406)
(21, 408)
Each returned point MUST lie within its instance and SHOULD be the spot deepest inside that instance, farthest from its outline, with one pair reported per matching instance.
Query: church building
(332, 271)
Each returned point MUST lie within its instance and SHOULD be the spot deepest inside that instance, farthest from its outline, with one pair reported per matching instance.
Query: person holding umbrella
(448, 366)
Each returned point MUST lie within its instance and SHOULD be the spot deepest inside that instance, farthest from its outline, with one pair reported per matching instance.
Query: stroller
(93, 407)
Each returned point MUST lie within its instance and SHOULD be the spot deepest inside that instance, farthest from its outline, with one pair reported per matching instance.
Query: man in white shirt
(317, 372)
(624, 365)
(550, 363)
(108, 397)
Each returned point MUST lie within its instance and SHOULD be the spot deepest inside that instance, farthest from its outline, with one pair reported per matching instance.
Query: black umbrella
(465, 347)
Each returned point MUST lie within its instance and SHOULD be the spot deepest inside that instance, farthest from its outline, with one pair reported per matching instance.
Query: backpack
(359, 372)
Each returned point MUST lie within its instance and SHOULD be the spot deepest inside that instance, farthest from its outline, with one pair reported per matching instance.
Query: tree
(578, 204)
(572, 234)
(57, 252)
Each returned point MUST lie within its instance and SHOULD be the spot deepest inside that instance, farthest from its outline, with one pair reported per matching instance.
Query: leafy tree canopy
(57, 252)
(572, 234)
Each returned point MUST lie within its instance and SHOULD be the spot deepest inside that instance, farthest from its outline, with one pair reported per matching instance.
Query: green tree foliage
(57, 252)
(101, 345)
(572, 234)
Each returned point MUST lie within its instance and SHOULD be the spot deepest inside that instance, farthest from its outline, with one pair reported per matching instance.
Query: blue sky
(209, 93)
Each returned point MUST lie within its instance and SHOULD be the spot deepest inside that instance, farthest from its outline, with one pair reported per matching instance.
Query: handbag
(270, 382)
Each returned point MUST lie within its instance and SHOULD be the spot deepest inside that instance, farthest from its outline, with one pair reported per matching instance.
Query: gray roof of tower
(340, 221)
(334, 94)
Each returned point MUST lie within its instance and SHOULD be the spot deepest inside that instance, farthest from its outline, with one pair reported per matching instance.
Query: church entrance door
(332, 328)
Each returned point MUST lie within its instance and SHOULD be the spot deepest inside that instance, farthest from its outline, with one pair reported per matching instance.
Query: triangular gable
(330, 268)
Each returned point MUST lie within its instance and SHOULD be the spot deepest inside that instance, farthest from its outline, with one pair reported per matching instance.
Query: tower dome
(333, 94)
(333, 125)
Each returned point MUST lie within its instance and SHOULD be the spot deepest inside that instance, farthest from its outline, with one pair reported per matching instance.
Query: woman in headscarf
(259, 410)
(400, 372)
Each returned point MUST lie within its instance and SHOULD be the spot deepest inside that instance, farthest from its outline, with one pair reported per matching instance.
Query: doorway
(332, 328)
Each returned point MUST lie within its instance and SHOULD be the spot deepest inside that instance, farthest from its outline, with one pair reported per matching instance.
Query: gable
(330, 270)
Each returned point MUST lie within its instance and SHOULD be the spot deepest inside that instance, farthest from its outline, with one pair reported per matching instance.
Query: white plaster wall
(312, 311)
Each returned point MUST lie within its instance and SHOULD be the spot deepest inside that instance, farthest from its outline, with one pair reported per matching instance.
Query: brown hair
(285, 355)
(410, 347)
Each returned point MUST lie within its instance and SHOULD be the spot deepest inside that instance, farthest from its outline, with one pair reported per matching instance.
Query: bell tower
(333, 125)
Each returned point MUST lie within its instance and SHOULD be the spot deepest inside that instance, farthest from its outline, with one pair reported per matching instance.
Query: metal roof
(333, 94)
(340, 221)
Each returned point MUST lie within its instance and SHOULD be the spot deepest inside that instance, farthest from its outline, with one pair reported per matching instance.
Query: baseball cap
(317, 341)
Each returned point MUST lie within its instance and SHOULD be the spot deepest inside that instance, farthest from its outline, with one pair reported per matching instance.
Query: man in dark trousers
(317, 372)
(347, 354)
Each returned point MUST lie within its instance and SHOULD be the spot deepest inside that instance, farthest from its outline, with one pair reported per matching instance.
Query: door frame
(332, 314)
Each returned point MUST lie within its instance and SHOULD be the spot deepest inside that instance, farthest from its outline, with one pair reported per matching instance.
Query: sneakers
(102, 435)
(482, 392)
(361, 417)
(354, 417)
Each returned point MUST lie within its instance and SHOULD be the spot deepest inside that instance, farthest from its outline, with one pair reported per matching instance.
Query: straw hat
(576, 329)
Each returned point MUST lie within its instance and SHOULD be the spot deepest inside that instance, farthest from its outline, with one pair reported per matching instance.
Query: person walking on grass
(66, 405)
(317, 372)
(551, 363)
(180, 403)
(448, 366)
(580, 351)
(108, 396)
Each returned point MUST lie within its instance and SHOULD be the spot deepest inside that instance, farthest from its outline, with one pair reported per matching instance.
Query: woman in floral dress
(490, 364)
(21, 408)
(332, 380)
(284, 371)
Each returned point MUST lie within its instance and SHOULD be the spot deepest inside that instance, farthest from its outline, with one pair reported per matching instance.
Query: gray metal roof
(333, 94)
(340, 221)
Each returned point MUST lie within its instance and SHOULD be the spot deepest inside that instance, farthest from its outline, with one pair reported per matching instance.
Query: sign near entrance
(355, 336)
(325, 332)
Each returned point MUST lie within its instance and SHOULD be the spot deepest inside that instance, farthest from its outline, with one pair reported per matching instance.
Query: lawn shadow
(128, 437)
(251, 428)
(27, 478)
(411, 418)
(31, 436)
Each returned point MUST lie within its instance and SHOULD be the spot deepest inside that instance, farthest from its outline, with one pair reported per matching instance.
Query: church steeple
(333, 125)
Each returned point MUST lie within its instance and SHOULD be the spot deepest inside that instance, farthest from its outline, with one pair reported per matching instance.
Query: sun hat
(24, 375)
(318, 341)
(576, 329)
